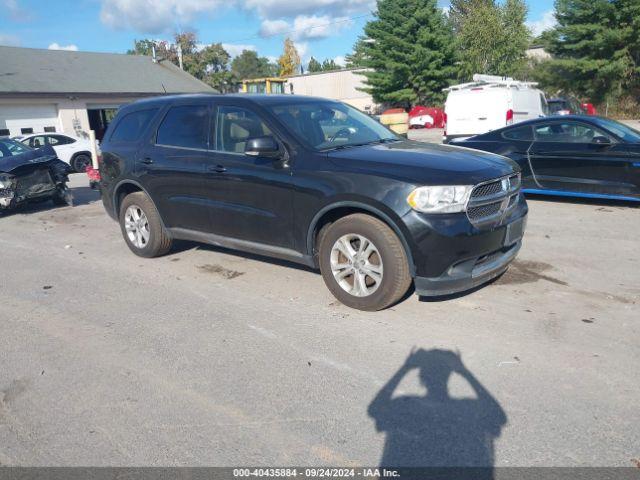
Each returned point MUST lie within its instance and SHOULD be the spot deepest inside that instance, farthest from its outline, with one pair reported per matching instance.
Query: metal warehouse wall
(339, 85)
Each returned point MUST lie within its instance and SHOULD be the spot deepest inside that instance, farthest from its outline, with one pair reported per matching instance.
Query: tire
(157, 242)
(59, 199)
(80, 162)
(388, 258)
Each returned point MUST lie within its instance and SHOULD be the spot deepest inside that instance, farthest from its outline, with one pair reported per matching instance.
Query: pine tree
(357, 56)
(314, 66)
(596, 46)
(328, 65)
(289, 61)
(410, 49)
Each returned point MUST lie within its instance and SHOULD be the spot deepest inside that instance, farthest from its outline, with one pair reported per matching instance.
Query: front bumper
(452, 255)
(468, 274)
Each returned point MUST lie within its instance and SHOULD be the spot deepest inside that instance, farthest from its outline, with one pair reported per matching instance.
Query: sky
(319, 28)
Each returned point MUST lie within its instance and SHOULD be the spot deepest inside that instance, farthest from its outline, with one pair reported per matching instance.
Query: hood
(425, 163)
(32, 157)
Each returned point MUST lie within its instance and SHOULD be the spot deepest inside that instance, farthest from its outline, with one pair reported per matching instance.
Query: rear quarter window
(132, 125)
(523, 134)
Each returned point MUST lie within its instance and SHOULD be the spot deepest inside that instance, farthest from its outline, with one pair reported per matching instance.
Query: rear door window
(131, 127)
(185, 126)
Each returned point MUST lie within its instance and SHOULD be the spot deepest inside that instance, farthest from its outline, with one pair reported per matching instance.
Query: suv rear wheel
(141, 226)
(363, 263)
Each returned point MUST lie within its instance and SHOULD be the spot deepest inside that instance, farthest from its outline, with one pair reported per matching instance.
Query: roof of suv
(260, 99)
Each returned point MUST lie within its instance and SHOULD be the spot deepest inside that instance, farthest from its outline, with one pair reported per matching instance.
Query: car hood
(32, 157)
(425, 163)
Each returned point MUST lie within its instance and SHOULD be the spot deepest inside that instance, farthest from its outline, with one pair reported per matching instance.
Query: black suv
(316, 182)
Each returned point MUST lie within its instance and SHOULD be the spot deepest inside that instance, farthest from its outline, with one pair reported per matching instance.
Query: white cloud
(306, 27)
(547, 21)
(153, 16)
(272, 9)
(274, 27)
(55, 46)
(309, 18)
(9, 40)
(235, 49)
(340, 60)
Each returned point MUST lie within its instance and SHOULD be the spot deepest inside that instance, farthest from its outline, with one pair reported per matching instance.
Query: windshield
(621, 130)
(9, 147)
(325, 125)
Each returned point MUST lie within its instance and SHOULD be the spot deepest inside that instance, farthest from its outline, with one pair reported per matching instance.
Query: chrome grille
(490, 201)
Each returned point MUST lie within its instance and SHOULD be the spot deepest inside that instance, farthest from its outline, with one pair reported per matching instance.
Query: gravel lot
(210, 357)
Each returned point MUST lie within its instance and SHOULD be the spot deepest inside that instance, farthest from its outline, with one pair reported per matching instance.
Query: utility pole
(180, 56)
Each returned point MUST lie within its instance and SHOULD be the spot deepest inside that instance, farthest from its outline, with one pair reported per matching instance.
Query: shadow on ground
(437, 430)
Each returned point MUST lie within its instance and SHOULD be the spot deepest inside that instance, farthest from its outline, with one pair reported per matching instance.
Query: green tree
(596, 48)
(314, 65)
(329, 64)
(289, 61)
(357, 56)
(249, 65)
(459, 10)
(492, 39)
(411, 52)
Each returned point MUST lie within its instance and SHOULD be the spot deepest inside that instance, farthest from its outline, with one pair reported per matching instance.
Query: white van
(488, 103)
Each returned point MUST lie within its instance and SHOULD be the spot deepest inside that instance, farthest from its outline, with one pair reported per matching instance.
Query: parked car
(75, 151)
(489, 103)
(565, 106)
(573, 155)
(270, 174)
(31, 175)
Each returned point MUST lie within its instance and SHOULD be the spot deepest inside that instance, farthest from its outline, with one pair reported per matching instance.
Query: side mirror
(266, 146)
(600, 140)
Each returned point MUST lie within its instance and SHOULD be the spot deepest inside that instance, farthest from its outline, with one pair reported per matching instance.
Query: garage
(24, 119)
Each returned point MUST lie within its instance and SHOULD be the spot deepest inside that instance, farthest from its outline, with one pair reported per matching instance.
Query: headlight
(440, 199)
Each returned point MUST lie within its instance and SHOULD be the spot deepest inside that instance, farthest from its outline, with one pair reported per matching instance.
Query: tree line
(413, 50)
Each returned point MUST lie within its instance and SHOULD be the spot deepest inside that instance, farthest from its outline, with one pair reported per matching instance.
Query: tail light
(444, 115)
(509, 117)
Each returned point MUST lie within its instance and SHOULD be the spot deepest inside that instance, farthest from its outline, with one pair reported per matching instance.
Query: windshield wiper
(350, 145)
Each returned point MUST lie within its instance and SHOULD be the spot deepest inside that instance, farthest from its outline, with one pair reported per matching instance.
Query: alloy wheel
(137, 226)
(356, 265)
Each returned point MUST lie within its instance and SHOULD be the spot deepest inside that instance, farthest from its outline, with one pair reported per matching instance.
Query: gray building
(74, 92)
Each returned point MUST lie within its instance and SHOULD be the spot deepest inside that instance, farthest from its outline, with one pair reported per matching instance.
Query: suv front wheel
(142, 227)
(363, 263)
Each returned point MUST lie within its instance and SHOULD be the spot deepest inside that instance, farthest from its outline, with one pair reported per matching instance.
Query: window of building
(26, 131)
(49, 129)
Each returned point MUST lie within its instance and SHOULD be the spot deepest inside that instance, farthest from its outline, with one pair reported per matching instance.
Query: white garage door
(18, 119)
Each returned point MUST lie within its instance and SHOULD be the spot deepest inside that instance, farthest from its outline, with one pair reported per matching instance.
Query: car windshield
(9, 147)
(621, 130)
(325, 125)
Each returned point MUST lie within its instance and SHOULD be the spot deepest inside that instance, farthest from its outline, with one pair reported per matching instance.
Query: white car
(75, 151)
(489, 103)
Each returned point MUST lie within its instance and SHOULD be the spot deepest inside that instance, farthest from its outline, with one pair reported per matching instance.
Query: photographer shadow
(437, 430)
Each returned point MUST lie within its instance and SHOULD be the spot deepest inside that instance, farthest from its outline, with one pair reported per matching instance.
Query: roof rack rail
(480, 80)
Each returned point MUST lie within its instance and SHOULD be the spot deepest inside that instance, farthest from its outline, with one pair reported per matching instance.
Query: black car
(316, 182)
(574, 155)
(565, 106)
(30, 175)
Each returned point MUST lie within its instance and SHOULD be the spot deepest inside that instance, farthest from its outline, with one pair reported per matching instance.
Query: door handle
(147, 160)
(217, 168)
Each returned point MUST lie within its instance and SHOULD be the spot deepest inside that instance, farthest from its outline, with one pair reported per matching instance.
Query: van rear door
(476, 110)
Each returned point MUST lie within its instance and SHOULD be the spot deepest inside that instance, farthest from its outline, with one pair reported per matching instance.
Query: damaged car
(30, 175)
